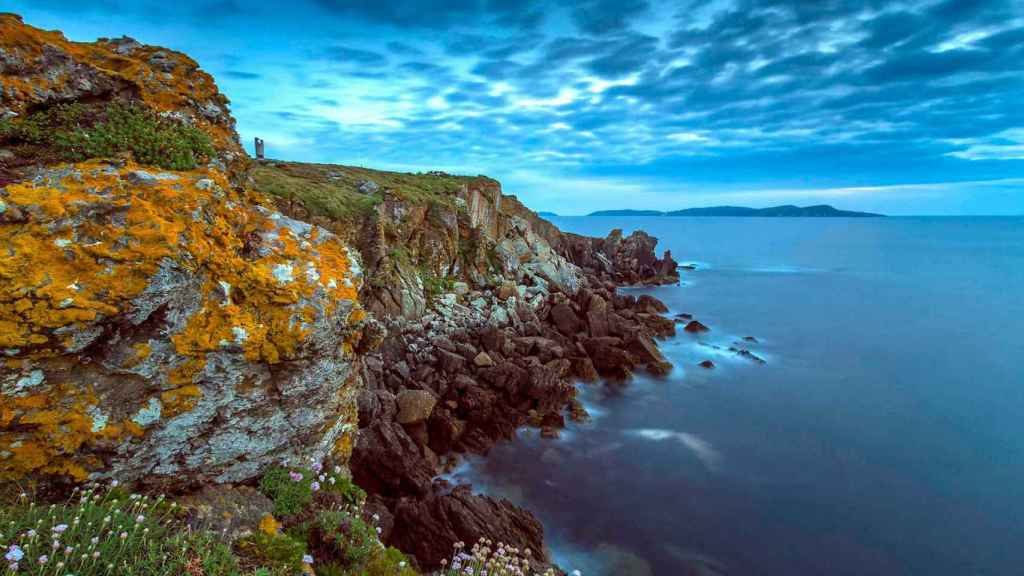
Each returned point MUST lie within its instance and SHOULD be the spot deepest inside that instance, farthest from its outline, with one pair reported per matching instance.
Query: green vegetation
(96, 533)
(291, 494)
(321, 513)
(76, 132)
(332, 191)
(275, 553)
(99, 532)
(434, 285)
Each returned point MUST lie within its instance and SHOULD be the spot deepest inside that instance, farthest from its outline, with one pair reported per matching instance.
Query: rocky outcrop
(426, 527)
(475, 368)
(625, 261)
(158, 325)
(40, 69)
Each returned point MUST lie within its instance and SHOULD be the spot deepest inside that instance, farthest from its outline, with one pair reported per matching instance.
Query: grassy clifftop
(343, 192)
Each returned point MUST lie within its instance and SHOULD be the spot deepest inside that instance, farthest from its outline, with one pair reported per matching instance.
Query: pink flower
(317, 467)
(295, 476)
(315, 486)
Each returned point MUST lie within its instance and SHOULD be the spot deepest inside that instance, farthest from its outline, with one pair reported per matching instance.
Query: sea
(883, 434)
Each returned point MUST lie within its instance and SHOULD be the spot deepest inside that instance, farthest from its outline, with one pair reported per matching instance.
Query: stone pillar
(259, 148)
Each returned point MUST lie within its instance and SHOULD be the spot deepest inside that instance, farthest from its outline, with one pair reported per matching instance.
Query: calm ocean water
(885, 435)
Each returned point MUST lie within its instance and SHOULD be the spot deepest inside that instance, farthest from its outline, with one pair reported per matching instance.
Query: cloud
(606, 16)
(347, 55)
(241, 75)
(690, 99)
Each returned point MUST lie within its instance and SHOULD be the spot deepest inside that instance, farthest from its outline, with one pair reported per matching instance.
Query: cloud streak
(685, 100)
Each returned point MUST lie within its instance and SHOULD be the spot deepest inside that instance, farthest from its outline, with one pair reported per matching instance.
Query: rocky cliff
(173, 314)
(158, 325)
(492, 314)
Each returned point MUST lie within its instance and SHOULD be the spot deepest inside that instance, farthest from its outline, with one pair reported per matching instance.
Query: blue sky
(912, 107)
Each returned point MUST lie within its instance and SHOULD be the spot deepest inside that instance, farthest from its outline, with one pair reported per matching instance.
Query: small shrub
(352, 494)
(74, 132)
(278, 554)
(389, 562)
(290, 490)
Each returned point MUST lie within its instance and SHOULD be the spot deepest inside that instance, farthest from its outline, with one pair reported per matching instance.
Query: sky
(900, 107)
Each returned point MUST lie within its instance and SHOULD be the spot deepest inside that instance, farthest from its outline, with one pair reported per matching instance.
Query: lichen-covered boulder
(160, 326)
(40, 68)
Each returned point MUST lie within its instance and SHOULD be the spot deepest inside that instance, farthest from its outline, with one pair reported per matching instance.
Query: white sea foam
(702, 449)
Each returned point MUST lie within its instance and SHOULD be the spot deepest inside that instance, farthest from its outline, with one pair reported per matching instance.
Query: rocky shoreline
(478, 367)
(185, 326)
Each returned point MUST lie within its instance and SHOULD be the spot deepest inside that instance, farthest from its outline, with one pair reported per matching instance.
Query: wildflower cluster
(102, 532)
(320, 527)
(487, 558)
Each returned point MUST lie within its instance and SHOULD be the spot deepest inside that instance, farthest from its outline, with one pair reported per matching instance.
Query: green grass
(96, 533)
(332, 191)
(76, 132)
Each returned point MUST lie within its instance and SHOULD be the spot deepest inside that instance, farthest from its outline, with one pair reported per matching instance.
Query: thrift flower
(59, 528)
(43, 559)
(14, 554)
(307, 559)
(295, 476)
(314, 486)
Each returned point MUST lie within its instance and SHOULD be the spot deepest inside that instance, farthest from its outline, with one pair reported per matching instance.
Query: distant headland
(787, 211)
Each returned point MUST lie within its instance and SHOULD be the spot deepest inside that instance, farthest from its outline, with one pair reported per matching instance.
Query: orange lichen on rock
(45, 67)
(59, 424)
(103, 246)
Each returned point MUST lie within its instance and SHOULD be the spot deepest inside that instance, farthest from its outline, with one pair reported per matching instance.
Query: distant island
(547, 214)
(787, 211)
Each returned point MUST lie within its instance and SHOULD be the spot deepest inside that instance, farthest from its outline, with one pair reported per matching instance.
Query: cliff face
(193, 325)
(492, 314)
(160, 325)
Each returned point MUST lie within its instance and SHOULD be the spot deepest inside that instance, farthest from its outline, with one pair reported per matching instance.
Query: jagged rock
(387, 461)
(565, 319)
(451, 362)
(415, 406)
(651, 305)
(707, 364)
(429, 528)
(583, 369)
(695, 327)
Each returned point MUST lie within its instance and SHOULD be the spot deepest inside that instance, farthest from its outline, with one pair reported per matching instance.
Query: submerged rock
(695, 327)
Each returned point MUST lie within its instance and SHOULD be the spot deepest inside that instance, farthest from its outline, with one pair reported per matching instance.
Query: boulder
(564, 319)
(651, 305)
(415, 406)
(695, 327)
(707, 364)
(483, 360)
